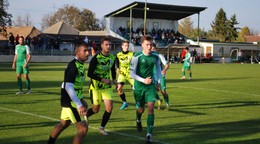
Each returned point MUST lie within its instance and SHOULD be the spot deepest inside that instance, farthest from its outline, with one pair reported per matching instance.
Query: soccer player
(164, 66)
(21, 61)
(142, 71)
(101, 68)
(123, 60)
(74, 107)
(186, 64)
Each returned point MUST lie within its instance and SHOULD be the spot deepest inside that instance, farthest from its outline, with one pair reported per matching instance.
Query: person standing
(123, 60)
(194, 55)
(101, 68)
(164, 66)
(142, 71)
(186, 64)
(74, 107)
(11, 43)
(21, 61)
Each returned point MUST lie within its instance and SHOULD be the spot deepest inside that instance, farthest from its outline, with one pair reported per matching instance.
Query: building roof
(252, 38)
(93, 33)
(61, 28)
(156, 11)
(21, 31)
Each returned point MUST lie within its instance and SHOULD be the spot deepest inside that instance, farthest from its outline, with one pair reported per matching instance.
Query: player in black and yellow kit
(123, 61)
(74, 108)
(101, 68)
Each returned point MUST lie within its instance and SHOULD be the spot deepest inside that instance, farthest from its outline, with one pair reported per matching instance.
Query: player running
(123, 60)
(164, 66)
(101, 68)
(142, 71)
(21, 61)
(186, 64)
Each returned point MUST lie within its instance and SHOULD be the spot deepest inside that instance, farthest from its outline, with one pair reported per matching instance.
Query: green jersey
(142, 66)
(187, 59)
(123, 60)
(101, 66)
(21, 51)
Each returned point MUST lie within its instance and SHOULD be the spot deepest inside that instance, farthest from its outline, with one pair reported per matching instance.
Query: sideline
(53, 119)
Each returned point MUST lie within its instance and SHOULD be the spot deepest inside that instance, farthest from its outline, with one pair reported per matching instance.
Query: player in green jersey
(123, 60)
(164, 66)
(142, 71)
(101, 68)
(74, 107)
(186, 64)
(21, 61)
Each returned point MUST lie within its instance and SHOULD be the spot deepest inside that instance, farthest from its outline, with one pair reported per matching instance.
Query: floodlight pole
(130, 37)
(145, 8)
(198, 37)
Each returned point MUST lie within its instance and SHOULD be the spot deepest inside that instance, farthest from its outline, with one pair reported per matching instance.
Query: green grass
(220, 105)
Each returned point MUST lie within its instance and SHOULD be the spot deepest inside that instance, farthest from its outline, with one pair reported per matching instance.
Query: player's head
(125, 46)
(147, 44)
(82, 51)
(21, 40)
(187, 49)
(105, 45)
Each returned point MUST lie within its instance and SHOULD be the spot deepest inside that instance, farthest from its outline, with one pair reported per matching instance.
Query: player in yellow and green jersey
(21, 61)
(123, 60)
(102, 74)
(142, 71)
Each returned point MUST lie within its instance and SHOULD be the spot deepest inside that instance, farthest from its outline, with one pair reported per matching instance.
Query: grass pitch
(220, 105)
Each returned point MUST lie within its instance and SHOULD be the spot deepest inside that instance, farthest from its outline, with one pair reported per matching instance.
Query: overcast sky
(247, 12)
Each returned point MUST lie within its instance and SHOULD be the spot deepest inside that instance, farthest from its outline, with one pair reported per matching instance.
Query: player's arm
(158, 70)
(15, 59)
(165, 63)
(28, 57)
(113, 73)
(92, 66)
(117, 65)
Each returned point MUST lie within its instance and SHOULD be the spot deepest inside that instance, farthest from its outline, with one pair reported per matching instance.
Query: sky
(247, 12)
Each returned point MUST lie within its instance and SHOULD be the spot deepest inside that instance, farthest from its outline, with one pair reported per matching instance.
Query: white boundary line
(53, 119)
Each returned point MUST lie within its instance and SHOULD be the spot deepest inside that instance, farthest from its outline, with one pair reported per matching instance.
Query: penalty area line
(53, 119)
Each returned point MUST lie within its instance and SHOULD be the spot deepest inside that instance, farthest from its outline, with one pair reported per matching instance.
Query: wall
(9, 58)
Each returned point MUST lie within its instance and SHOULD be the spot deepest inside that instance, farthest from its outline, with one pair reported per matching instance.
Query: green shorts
(21, 70)
(186, 67)
(147, 94)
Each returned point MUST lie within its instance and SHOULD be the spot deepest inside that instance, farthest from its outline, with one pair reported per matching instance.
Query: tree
(232, 33)
(219, 25)
(243, 32)
(81, 20)
(5, 18)
(186, 27)
(23, 21)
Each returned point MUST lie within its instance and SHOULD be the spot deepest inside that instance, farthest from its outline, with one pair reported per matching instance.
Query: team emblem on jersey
(143, 61)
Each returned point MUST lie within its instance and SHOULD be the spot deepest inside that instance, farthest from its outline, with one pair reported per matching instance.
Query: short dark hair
(125, 41)
(81, 43)
(187, 48)
(105, 39)
(146, 37)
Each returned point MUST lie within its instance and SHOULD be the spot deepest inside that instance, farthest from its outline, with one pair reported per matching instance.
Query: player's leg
(164, 93)
(149, 98)
(107, 96)
(189, 70)
(140, 103)
(27, 79)
(63, 124)
(120, 83)
(95, 98)
(183, 72)
(19, 71)
(82, 129)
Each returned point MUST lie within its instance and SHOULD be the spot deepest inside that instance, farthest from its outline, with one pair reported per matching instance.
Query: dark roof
(156, 11)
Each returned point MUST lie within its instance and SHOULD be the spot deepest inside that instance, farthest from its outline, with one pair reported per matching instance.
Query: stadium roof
(156, 11)
(61, 28)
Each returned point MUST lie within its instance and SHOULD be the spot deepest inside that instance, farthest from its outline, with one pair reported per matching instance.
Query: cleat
(190, 78)
(167, 108)
(148, 139)
(103, 132)
(159, 104)
(28, 91)
(139, 126)
(125, 105)
(183, 77)
(20, 92)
